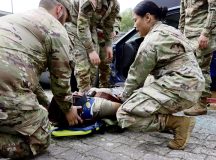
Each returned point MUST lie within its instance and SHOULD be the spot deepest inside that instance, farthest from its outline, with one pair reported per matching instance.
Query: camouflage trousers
(143, 110)
(204, 57)
(23, 133)
(104, 69)
(24, 122)
(84, 71)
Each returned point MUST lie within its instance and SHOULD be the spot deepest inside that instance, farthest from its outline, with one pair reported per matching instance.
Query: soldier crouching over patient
(28, 45)
(176, 87)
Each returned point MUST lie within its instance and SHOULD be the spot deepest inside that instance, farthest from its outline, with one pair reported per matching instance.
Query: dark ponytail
(163, 13)
(150, 7)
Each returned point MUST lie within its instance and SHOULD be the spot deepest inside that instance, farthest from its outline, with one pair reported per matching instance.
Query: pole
(12, 6)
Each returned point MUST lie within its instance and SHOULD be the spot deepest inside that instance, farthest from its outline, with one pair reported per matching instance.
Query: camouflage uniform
(41, 96)
(104, 66)
(199, 17)
(28, 45)
(87, 16)
(175, 87)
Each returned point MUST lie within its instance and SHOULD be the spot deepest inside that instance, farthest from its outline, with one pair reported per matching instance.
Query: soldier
(198, 23)
(176, 86)
(87, 17)
(28, 45)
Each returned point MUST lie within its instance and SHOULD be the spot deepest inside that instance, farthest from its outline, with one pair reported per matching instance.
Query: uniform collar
(157, 24)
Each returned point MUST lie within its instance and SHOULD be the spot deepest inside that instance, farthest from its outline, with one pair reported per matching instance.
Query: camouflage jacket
(88, 15)
(162, 54)
(198, 16)
(116, 29)
(117, 24)
(28, 45)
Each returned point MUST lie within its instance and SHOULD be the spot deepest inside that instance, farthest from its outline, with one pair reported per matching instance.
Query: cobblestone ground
(133, 146)
(136, 146)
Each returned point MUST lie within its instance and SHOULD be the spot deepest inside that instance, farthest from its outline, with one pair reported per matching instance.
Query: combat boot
(14, 147)
(182, 128)
(198, 109)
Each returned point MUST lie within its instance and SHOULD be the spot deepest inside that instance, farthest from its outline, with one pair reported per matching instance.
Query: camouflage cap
(68, 5)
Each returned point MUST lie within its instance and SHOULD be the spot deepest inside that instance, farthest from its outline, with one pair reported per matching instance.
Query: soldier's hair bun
(163, 13)
(144, 7)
